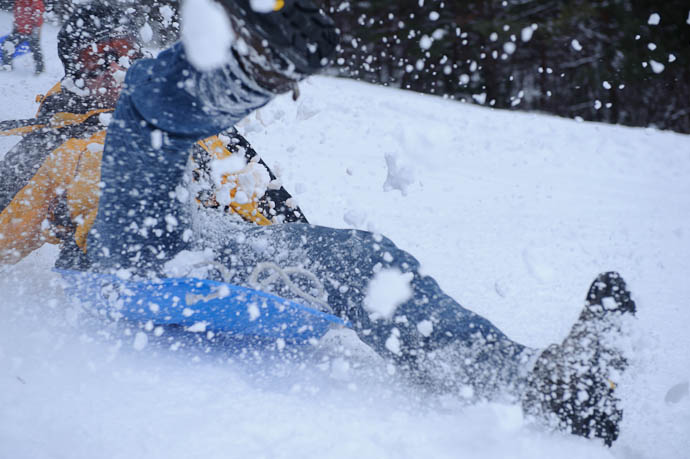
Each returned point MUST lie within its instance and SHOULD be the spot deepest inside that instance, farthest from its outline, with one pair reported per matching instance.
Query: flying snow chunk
(263, 6)
(576, 45)
(393, 342)
(206, 34)
(387, 290)
(657, 67)
(198, 327)
(425, 327)
(157, 139)
(509, 47)
(654, 19)
(527, 32)
(140, 341)
(479, 98)
(425, 42)
(146, 33)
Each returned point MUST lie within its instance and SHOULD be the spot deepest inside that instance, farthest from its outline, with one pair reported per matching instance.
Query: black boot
(573, 384)
(283, 46)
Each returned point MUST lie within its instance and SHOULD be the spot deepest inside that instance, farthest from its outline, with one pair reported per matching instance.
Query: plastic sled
(22, 48)
(199, 305)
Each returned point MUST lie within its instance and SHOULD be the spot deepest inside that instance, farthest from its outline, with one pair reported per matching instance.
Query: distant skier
(28, 19)
(119, 210)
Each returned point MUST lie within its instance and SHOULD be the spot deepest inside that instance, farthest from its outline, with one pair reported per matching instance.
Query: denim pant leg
(430, 331)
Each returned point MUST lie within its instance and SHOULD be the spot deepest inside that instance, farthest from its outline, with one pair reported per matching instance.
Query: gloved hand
(297, 31)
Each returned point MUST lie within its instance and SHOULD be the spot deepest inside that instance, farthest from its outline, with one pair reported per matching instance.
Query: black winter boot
(573, 384)
(283, 46)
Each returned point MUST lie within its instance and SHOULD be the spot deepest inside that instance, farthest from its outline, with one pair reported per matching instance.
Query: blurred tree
(617, 61)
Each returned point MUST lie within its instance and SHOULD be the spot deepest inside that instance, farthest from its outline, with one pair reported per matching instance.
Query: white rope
(284, 275)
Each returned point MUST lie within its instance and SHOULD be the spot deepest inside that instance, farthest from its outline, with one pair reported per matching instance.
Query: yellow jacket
(59, 203)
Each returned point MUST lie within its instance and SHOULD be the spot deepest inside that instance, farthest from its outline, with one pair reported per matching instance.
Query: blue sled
(200, 305)
(23, 47)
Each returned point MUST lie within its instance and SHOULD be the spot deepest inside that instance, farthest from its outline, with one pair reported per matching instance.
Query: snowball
(425, 327)
(140, 341)
(606, 85)
(425, 42)
(146, 33)
(157, 139)
(527, 32)
(387, 290)
(393, 343)
(262, 6)
(253, 311)
(654, 19)
(206, 34)
(95, 147)
(185, 260)
(657, 67)
(509, 47)
(434, 15)
(479, 98)
(198, 327)
(576, 45)
(230, 165)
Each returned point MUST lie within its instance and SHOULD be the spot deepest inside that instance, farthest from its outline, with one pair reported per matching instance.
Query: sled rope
(284, 275)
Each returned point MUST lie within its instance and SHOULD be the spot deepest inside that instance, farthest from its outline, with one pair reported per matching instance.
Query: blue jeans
(166, 106)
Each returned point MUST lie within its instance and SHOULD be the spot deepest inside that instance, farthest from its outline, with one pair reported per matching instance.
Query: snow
(263, 6)
(657, 67)
(387, 290)
(513, 214)
(206, 33)
(527, 32)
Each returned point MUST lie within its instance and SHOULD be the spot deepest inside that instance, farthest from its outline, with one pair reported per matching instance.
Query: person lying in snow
(96, 48)
(122, 207)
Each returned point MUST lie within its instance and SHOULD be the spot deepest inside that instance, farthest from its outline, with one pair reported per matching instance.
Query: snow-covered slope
(513, 213)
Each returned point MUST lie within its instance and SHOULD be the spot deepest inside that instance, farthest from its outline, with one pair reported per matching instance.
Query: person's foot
(572, 384)
(282, 46)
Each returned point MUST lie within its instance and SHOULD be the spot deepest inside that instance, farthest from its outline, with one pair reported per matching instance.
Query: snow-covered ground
(513, 213)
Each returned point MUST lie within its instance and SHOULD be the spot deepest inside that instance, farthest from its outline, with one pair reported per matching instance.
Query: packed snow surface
(514, 214)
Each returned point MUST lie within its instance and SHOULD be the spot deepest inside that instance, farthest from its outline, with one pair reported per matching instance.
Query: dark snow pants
(165, 107)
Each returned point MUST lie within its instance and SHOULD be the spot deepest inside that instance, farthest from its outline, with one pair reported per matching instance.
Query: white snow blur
(206, 33)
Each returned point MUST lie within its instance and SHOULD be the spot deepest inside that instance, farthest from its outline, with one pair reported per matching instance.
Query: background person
(28, 19)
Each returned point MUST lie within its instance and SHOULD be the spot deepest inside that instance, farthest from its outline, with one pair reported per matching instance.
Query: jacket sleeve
(166, 106)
